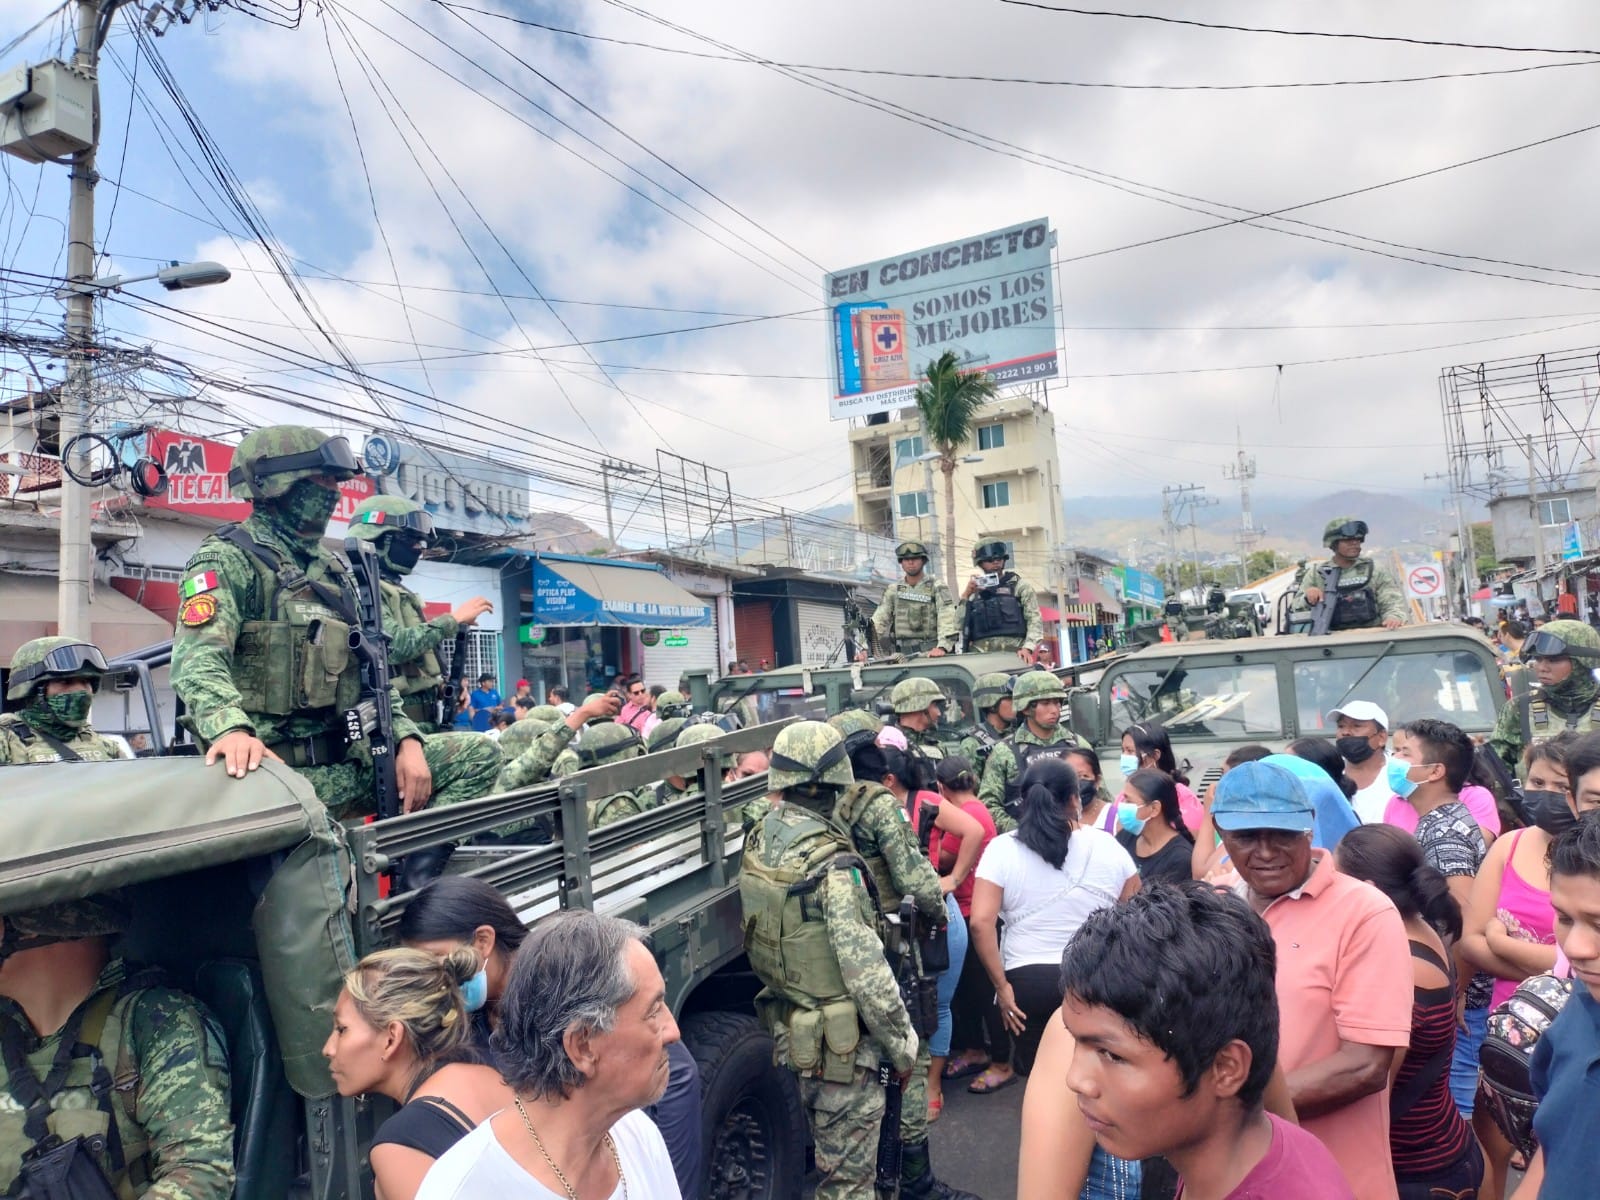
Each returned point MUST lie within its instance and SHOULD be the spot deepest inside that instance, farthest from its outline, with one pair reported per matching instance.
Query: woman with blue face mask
(400, 1030)
(1151, 827)
(1146, 744)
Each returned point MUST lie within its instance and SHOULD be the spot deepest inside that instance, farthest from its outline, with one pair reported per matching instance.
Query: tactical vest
(996, 612)
(1536, 718)
(74, 1093)
(298, 657)
(41, 747)
(983, 734)
(847, 813)
(613, 807)
(916, 612)
(1024, 753)
(805, 1003)
(421, 674)
(1355, 603)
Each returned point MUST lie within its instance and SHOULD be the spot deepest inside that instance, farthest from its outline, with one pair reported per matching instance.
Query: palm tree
(949, 399)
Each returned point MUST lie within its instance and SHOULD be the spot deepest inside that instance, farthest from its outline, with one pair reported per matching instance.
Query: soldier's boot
(917, 1180)
(422, 867)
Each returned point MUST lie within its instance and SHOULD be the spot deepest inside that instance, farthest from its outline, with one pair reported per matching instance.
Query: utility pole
(77, 546)
(1243, 469)
(1538, 525)
(1176, 500)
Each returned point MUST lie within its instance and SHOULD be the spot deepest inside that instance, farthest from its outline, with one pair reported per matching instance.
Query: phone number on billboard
(1028, 370)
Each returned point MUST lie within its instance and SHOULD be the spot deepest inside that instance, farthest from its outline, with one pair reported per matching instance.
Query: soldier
(813, 936)
(261, 654)
(400, 530)
(601, 744)
(991, 696)
(676, 787)
(1038, 696)
(999, 610)
(916, 615)
(535, 762)
(672, 704)
(130, 1073)
(918, 709)
(1368, 596)
(56, 678)
(1564, 695)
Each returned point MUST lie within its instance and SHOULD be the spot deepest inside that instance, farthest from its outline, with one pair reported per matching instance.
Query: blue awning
(589, 591)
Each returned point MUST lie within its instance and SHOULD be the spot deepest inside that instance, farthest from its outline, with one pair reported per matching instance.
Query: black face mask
(1549, 811)
(1087, 790)
(1355, 748)
(403, 553)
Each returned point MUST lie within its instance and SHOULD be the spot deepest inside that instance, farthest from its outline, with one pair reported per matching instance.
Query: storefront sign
(650, 637)
(1140, 587)
(197, 479)
(465, 495)
(531, 635)
(675, 639)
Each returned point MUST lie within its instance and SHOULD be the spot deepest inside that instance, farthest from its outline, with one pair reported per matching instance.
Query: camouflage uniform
(1001, 772)
(914, 618)
(165, 1055)
(261, 646)
(603, 743)
(830, 1001)
(988, 691)
(1363, 575)
(1535, 713)
(1002, 608)
(44, 730)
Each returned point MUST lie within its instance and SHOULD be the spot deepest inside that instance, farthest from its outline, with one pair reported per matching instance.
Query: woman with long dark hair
(1146, 744)
(1433, 1148)
(458, 910)
(1041, 879)
(1155, 833)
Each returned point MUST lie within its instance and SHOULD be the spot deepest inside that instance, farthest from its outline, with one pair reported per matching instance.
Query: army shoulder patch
(197, 610)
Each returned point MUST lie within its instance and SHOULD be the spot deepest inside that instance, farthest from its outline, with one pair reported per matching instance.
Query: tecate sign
(197, 479)
(990, 299)
(466, 495)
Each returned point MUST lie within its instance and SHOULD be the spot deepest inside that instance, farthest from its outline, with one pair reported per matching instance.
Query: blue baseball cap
(1259, 795)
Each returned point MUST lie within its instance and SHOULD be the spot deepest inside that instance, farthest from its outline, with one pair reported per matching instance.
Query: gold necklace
(572, 1192)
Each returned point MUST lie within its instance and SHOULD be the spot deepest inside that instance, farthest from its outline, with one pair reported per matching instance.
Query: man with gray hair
(582, 1041)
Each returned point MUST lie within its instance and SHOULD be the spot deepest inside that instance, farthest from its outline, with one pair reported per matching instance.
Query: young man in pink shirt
(1343, 971)
(1171, 1000)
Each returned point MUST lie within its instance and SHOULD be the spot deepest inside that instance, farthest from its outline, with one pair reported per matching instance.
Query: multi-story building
(1010, 493)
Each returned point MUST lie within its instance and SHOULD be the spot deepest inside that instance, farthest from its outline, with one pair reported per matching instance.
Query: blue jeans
(1110, 1178)
(1464, 1065)
(939, 1044)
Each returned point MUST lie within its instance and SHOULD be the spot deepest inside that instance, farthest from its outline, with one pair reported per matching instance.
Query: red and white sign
(197, 479)
(1424, 581)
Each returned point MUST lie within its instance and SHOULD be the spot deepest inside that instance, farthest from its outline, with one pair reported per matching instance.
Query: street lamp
(77, 547)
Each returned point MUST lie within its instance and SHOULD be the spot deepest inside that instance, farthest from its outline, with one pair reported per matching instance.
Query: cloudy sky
(652, 169)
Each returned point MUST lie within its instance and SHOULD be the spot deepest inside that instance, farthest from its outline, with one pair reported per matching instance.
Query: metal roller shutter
(664, 664)
(752, 632)
(821, 628)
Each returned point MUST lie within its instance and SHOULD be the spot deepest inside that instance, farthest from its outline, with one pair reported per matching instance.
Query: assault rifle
(890, 1147)
(444, 715)
(57, 1170)
(1322, 612)
(372, 719)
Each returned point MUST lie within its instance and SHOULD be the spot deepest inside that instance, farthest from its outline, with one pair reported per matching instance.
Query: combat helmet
(910, 550)
(673, 704)
(664, 734)
(989, 549)
(699, 731)
(988, 690)
(1562, 639)
(1036, 685)
(53, 658)
(808, 752)
(915, 694)
(104, 915)
(548, 713)
(855, 720)
(520, 735)
(1343, 527)
(269, 461)
(607, 742)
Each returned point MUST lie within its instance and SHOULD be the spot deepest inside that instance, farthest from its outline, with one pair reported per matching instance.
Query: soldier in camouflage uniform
(1003, 617)
(918, 710)
(676, 787)
(535, 762)
(674, 704)
(1563, 694)
(991, 696)
(1369, 596)
(54, 679)
(134, 1055)
(261, 655)
(813, 936)
(1039, 697)
(399, 530)
(916, 615)
(600, 745)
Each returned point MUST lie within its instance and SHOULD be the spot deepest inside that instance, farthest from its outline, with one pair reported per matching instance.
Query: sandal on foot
(935, 1107)
(991, 1082)
(960, 1068)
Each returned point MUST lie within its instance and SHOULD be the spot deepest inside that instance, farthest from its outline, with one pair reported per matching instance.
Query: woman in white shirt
(582, 1041)
(1041, 880)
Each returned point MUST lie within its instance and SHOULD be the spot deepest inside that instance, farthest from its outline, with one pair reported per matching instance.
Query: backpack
(1515, 1027)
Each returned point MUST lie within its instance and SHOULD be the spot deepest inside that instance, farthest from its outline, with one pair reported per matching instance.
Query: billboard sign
(465, 495)
(1571, 542)
(1140, 587)
(989, 298)
(197, 479)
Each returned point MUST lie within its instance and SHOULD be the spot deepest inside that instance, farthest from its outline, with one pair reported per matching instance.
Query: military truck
(251, 897)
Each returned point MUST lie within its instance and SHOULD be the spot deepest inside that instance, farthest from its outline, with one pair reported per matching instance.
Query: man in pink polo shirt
(1344, 970)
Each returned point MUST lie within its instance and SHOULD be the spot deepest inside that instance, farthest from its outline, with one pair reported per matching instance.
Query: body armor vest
(41, 747)
(297, 656)
(403, 610)
(916, 612)
(1537, 716)
(1356, 604)
(1024, 753)
(86, 1087)
(996, 612)
(847, 814)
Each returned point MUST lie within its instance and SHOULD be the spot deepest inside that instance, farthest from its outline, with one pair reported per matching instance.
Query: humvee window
(757, 706)
(958, 712)
(1441, 684)
(1222, 701)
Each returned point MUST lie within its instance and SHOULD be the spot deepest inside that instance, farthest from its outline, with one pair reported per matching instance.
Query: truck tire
(754, 1140)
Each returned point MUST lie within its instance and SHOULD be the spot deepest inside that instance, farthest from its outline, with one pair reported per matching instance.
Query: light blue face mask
(475, 991)
(1128, 764)
(1128, 817)
(1399, 778)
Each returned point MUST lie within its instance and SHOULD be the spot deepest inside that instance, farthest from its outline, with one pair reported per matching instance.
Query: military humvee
(252, 898)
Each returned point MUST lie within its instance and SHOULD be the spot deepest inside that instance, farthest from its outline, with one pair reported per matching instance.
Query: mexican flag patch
(375, 517)
(204, 582)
